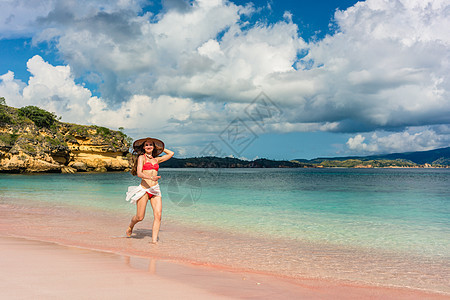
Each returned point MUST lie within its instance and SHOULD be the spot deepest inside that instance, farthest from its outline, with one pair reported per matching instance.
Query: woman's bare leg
(141, 205)
(157, 213)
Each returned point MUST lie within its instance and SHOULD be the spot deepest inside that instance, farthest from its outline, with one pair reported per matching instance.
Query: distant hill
(229, 162)
(434, 158)
(438, 156)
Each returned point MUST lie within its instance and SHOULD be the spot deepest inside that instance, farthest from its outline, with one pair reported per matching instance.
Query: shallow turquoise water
(401, 210)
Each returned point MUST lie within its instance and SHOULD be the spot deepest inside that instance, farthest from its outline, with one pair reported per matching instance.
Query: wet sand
(50, 253)
(41, 270)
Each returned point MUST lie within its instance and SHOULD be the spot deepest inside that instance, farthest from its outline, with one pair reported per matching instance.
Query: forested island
(424, 159)
(34, 140)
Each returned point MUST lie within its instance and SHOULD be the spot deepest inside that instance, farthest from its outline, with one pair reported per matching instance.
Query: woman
(145, 165)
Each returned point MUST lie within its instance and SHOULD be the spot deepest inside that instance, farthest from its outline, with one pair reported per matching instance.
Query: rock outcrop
(59, 147)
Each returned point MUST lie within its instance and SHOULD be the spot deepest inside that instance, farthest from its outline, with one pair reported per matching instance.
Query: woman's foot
(129, 231)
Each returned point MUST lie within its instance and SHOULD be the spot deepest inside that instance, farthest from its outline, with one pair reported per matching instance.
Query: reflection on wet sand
(139, 263)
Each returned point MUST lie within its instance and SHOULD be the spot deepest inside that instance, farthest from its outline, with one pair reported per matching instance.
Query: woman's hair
(138, 151)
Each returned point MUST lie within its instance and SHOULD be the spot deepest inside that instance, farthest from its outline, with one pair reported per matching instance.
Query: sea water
(403, 212)
(398, 209)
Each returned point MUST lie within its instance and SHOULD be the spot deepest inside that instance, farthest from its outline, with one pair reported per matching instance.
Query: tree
(4, 116)
(40, 117)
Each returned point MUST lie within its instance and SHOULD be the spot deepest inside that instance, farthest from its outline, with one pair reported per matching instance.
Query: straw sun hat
(159, 145)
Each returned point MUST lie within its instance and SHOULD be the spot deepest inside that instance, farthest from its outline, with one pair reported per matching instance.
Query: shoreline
(418, 167)
(96, 231)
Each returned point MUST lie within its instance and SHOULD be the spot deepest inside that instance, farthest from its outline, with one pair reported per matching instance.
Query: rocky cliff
(33, 140)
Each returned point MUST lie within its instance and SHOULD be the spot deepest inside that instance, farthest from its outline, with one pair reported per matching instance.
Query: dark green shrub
(8, 138)
(4, 116)
(54, 142)
(103, 131)
(40, 117)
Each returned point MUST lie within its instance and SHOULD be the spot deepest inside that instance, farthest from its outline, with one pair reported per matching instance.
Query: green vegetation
(29, 148)
(4, 115)
(357, 163)
(78, 130)
(58, 134)
(117, 138)
(40, 117)
(227, 162)
(128, 139)
(70, 138)
(10, 115)
(54, 142)
(8, 139)
(103, 131)
(230, 162)
(442, 161)
(30, 133)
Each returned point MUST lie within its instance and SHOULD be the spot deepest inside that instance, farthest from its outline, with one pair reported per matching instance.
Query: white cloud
(211, 49)
(53, 88)
(405, 21)
(371, 75)
(406, 141)
(11, 89)
(18, 16)
(50, 87)
(142, 111)
(387, 67)
(24, 17)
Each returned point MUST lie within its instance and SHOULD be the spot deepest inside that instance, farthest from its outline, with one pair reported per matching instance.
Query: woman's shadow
(141, 233)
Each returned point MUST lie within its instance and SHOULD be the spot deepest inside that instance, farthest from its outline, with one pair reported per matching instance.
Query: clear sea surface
(402, 211)
(399, 209)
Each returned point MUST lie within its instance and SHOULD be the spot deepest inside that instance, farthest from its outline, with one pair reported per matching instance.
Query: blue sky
(273, 79)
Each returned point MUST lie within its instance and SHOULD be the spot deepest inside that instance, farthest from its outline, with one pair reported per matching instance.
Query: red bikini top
(150, 166)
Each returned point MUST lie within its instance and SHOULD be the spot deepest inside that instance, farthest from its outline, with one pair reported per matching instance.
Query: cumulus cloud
(18, 17)
(50, 87)
(54, 89)
(25, 17)
(386, 67)
(200, 63)
(11, 88)
(406, 141)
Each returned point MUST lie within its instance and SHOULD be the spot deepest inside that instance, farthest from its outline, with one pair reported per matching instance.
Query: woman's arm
(168, 156)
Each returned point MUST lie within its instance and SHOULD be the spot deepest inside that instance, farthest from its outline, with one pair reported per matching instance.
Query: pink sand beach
(58, 252)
